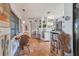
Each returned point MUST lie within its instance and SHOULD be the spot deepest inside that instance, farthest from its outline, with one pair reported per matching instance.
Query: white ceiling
(37, 9)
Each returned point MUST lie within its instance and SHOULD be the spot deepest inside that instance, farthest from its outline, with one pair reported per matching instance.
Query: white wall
(68, 11)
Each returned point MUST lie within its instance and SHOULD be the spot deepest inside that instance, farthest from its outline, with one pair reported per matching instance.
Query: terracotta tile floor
(36, 48)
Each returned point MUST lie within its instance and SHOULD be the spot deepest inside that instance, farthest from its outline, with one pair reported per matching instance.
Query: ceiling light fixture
(23, 22)
(23, 9)
(51, 17)
(48, 12)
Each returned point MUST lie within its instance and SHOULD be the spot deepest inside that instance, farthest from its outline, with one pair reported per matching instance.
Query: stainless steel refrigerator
(76, 29)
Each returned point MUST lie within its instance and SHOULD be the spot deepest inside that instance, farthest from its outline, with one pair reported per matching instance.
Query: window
(14, 25)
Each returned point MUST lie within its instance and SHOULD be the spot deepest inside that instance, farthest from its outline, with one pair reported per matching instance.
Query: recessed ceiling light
(48, 12)
(23, 9)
